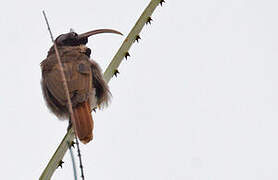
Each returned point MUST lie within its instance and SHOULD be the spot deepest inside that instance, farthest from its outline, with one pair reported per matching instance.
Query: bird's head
(74, 39)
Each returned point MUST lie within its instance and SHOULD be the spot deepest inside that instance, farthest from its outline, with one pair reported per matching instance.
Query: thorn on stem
(149, 20)
(161, 2)
(72, 144)
(126, 55)
(116, 72)
(60, 164)
(137, 38)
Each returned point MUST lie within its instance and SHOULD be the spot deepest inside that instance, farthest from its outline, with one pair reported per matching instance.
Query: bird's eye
(74, 34)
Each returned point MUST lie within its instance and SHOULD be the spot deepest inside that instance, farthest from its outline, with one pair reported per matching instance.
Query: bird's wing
(102, 92)
(78, 73)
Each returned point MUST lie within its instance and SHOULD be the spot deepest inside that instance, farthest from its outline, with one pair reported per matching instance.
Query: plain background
(197, 99)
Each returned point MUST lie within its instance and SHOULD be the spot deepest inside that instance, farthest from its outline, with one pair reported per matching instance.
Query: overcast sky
(197, 99)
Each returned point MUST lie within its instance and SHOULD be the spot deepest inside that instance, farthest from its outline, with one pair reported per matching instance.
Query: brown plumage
(84, 123)
(86, 85)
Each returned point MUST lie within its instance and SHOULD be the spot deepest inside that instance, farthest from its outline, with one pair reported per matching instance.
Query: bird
(87, 88)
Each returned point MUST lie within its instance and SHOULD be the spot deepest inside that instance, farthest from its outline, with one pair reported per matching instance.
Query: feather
(86, 86)
(83, 122)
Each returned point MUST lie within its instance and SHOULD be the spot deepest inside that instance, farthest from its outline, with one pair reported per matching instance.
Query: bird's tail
(83, 122)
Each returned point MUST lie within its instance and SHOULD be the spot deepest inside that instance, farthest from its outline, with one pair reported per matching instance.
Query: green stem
(116, 61)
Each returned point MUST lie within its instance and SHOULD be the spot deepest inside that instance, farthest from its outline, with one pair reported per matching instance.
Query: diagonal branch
(131, 37)
(108, 74)
(62, 73)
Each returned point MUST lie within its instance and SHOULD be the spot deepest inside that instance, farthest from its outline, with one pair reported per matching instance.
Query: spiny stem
(80, 160)
(62, 73)
(131, 37)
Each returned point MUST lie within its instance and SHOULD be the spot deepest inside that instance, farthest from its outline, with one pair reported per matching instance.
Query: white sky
(197, 99)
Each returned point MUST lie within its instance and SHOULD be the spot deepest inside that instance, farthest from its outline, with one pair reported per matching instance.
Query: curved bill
(98, 31)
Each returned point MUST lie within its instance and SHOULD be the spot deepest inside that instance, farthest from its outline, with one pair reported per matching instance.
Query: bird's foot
(69, 126)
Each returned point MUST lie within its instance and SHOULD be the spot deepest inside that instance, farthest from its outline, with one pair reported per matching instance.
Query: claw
(116, 72)
(149, 20)
(60, 164)
(161, 2)
(126, 55)
(137, 38)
